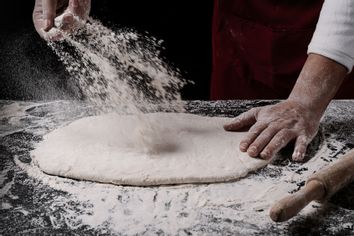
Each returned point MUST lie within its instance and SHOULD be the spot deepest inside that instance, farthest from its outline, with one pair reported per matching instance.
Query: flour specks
(119, 70)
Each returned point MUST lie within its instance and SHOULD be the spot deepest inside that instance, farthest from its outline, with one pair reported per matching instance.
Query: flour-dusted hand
(45, 12)
(274, 126)
(298, 117)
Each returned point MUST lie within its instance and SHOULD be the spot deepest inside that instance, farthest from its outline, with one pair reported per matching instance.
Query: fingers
(300, 148)
(67, 22)
(273, 127)
(54, 35)
(80, 8)
(245, 119)
(267, 149)
(252, 134)
(74, 7)
(262, 140)
(49, 13)
(37, 17)
(280, 140)
(76, 11)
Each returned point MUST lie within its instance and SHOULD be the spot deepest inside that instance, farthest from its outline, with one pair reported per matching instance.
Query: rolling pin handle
(293, 204)
(320, 186)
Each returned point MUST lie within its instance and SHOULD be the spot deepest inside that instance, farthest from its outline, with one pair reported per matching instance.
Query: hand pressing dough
(150, 149)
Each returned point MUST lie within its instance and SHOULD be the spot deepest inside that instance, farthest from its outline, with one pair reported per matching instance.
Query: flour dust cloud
(119, 70)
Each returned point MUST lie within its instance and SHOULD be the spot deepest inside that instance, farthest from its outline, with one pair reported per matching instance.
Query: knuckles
(275, 126)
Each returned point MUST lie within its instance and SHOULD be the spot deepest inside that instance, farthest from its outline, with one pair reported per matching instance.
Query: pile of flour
(119, 70)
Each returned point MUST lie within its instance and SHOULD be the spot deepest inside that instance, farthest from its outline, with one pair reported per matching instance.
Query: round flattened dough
(150, 149)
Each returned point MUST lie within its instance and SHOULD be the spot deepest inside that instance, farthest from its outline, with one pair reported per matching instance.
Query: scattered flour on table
(237, 207)
(118, 71)
(240, 206)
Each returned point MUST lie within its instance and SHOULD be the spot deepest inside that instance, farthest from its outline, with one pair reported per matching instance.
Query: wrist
(308, 106)
(318, 83)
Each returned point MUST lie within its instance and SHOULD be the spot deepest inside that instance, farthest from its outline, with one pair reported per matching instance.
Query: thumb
(49, 13)
(244, 120)
(74, 6)
(80, 8)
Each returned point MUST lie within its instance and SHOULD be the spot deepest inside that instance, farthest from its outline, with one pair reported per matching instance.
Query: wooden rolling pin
(320, 186)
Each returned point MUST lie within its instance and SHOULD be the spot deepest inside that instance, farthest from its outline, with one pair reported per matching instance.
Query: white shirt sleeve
(334, 35)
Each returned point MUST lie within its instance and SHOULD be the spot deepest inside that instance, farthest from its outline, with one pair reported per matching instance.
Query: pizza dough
(150, 149)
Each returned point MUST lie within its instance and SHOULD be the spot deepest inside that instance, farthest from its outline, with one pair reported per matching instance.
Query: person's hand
(274, 126)
(298, 117)
(45, 11)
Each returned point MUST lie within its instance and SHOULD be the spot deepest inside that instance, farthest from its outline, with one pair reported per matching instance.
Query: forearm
(318, 83)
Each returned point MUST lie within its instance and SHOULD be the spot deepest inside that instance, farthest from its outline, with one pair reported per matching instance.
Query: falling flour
(116, 72)
(122, 72)
(119, 70)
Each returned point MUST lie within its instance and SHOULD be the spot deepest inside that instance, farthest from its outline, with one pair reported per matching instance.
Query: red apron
(259, 47)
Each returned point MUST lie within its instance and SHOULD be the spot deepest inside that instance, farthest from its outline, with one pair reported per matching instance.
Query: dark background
(29, 70)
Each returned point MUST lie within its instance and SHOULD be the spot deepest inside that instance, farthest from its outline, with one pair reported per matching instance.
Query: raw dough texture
(143, 150)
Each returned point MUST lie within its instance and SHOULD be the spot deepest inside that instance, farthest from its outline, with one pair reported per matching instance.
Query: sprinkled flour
(135, 210)
(119, 70)
(31, 200)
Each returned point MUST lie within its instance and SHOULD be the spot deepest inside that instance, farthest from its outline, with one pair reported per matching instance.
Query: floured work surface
(36, 203)
(143, 150)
